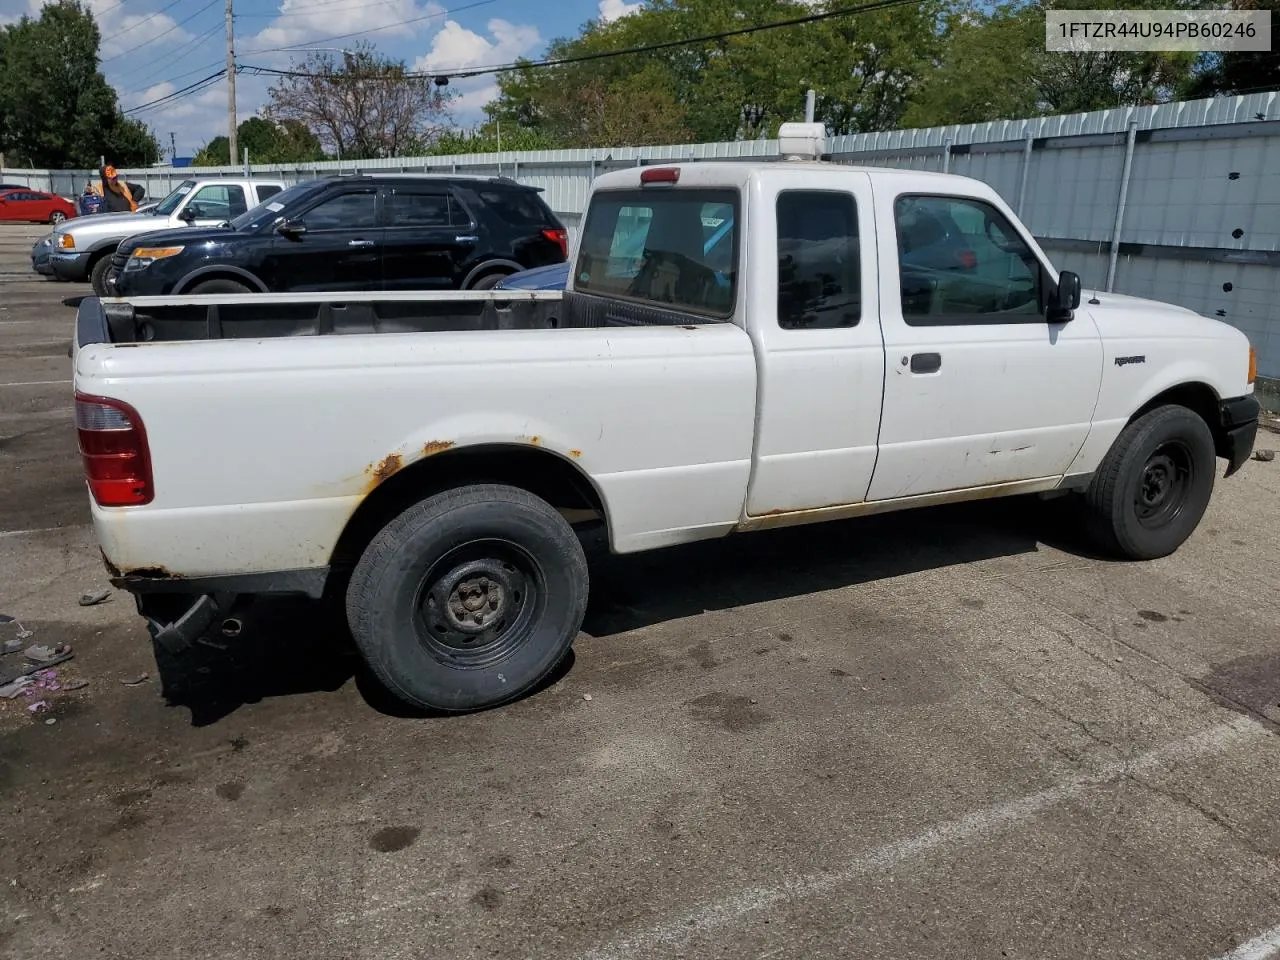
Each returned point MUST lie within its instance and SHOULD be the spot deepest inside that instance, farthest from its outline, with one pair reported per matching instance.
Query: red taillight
(561, 237)
(968, 259)
(660, 175)
(113, 446)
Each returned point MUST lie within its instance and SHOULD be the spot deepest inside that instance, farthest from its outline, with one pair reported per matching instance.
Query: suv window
(220, 201)
(521, 208)
(421, 208)
(960, 261)
(268, 191)
(674, 247)
(353, 210)
(819, 267)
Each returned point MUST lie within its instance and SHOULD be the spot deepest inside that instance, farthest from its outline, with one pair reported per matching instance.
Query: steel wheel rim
(1164, 484)
(58, 217)
(474, 605)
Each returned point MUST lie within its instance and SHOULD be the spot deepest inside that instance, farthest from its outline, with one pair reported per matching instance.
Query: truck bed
(262, 316)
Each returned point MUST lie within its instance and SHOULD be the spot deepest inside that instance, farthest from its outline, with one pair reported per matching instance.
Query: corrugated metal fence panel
(1205, 178)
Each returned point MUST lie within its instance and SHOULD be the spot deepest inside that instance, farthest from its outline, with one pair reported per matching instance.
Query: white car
(80, 249)
(428, 457)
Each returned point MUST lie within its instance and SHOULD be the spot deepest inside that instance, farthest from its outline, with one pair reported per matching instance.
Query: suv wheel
(490, 280)
(98, 275)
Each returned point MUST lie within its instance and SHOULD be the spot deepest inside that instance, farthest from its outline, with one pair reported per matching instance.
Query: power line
(189, 90)
(170, 58)
(463, 73)
(309, 8)
(145, 19)
(162, 33)
(360, 33)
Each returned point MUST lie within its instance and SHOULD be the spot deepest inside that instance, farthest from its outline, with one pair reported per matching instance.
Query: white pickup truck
(741, 346)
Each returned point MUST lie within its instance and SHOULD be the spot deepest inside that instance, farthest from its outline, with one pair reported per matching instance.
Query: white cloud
(457, 48)
(305, 21)
(611, 10)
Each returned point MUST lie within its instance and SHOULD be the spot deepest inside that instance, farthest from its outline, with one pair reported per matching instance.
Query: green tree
(286, 142)
(56, 108)
(861, 67)
(1240, 72)
(994, 66)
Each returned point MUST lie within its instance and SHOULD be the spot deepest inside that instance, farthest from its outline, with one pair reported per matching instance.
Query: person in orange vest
(116, 195)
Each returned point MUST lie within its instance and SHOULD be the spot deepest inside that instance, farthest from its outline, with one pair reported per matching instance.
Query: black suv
(353, 233)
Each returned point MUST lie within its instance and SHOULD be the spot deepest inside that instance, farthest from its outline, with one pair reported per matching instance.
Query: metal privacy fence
(1179, 202)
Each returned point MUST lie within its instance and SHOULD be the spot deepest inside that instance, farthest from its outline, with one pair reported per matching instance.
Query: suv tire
(218, 286)
(98, 274)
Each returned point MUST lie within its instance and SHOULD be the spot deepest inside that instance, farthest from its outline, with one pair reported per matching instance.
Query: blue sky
(153, 47)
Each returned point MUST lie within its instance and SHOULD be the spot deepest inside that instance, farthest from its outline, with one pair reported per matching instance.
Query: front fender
(221, 270)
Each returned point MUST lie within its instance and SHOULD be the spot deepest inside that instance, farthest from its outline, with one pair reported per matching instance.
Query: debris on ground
(11, 690)
(48, 654)
(23, 632)
(1266, 456)
(586, 696)
(38, 706)
(10, 646)
(75, 685)
(135, 681)
(94, 597)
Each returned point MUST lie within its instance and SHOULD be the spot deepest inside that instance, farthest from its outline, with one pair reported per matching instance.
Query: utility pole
(231, 83)
(173, 148)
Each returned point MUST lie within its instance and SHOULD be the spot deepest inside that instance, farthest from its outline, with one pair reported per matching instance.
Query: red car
(34, 206)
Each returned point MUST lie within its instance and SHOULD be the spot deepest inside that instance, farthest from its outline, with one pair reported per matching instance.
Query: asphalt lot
(946, 734)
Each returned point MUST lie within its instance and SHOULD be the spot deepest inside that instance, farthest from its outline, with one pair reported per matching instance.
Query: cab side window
(218, 202)
(960, 261)
(819, 266)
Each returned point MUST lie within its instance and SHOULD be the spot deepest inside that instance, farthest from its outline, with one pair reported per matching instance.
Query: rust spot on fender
(112, 569)
(575, 453)
(687, 326)
(384, 469)
(536, 441)
(435, 446)
(152, 573)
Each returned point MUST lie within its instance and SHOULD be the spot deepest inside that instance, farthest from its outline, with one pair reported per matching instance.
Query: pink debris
(38, 706)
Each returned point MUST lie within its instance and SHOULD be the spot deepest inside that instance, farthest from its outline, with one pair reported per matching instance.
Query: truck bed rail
(268, 315)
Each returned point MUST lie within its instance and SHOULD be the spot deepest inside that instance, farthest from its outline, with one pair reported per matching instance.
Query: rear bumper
(1239, 419)
(70, 266)
(179, 610)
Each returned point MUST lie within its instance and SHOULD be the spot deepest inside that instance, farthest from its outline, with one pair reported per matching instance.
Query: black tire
(57, 217)
(218, 286)
(417, 591)
(1154, 484)
(489, 281)
(98, 275)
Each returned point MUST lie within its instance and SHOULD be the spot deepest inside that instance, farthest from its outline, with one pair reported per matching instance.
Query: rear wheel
(218, 286)
(469, 598)
(98, 275)
(489, 281)
(57, 217)
(1154, 485)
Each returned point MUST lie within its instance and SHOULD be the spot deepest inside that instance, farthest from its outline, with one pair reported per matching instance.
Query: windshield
(269, 209)
(170, 203)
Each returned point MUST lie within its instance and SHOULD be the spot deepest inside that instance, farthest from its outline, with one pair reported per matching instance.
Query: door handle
(465, 239)
(359, 243)
(926, 362)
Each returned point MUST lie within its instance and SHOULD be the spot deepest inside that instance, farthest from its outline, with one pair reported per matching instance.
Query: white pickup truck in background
(741, 346)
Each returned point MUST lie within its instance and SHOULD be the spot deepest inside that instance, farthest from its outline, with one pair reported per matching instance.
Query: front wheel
(469, 598)
(57, 217)
(98, 274)
(1153, 487)
(489, 281)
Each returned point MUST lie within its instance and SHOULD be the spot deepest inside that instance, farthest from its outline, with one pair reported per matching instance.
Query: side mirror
(291, 228)
(188, 214)
(1065, 298)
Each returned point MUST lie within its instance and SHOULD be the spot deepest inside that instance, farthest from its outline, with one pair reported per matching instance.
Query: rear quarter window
(265, 192)
(671, 247)
(520, 208)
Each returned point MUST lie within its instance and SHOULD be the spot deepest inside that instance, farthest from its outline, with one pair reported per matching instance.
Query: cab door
(821, 357)
(980, 388)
